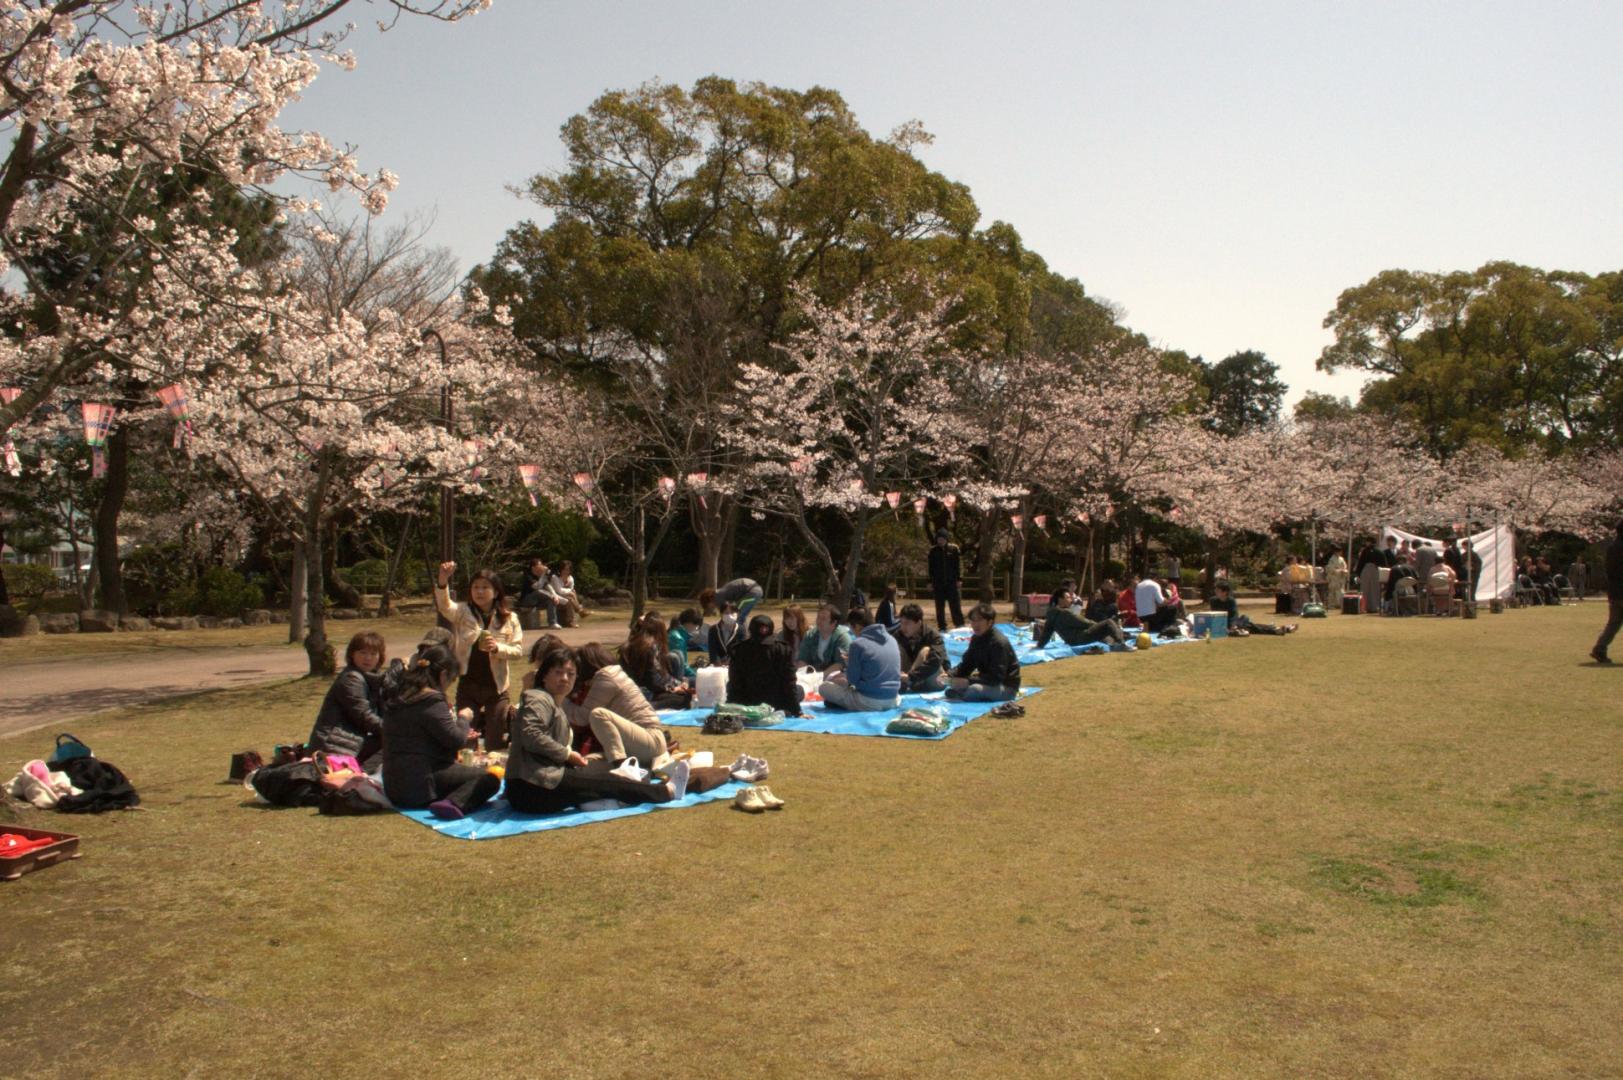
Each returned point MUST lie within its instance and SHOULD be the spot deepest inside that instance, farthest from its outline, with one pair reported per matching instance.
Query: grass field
(1376, 848)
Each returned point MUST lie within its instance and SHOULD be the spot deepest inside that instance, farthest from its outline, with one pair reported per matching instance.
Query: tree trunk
(729, 538)
(340, 590)
(708, 515)
(385, 602)
(115, 486)
(1017, 579)
(5, 593)
(322, 661)
(296, 589)
(853, 560)
(986, 571)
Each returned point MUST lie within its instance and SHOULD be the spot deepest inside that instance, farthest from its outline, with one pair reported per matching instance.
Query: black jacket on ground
(990, 659)
(763, 673)
(348, 714)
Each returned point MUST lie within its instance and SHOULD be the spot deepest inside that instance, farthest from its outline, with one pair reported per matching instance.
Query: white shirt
(1147, 597)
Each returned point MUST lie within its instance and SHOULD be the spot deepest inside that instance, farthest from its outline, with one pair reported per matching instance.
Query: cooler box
(1211, 624)
(1352, 604)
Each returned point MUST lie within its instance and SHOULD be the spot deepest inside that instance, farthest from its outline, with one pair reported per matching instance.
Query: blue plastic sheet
(496, 819)
(826, 721)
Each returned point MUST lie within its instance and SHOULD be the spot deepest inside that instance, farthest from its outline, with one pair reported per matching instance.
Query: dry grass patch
(1378, 847)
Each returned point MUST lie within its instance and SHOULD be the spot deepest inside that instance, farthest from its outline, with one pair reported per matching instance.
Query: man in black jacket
(946, 578)
(924, 654)
(1614, 597)
(989, 670)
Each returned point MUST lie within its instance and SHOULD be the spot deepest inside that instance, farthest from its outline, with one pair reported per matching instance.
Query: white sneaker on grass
(769, 800)
(749, 800)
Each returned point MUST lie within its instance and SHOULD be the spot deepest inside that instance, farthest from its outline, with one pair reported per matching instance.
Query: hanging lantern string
(178, 405)
(98, 420)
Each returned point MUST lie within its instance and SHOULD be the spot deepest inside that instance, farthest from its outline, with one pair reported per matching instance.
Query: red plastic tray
(63, 846)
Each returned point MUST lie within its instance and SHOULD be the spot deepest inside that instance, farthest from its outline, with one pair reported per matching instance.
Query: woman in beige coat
(485, 636)
(609, 703)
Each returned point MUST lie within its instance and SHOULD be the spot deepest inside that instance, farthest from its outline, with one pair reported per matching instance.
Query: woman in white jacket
(485, 635)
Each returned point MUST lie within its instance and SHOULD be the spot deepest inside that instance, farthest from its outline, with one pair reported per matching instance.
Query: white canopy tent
(1496, 547)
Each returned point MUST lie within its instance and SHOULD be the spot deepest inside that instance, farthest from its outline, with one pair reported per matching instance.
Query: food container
(62, 846)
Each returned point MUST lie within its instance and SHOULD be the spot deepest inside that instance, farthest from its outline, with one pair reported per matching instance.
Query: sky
(1221, 171)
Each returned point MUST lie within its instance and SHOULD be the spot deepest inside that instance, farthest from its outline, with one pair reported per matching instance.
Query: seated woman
(725, 634)
(793, 629)
(610, 705)
(872, 679)
(544, 775)
(1127, 603)
(350, 720)
(989, 670)
(1075, 630)
(762, 671)
(826, 647)
(886, 615)
(646, 659)
(1240, 625)
(535, 595)
(485, 636)
(421, 737)
(1441, 586)
(562, 586)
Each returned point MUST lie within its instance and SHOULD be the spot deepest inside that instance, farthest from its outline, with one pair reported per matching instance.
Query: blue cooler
(1211, 624)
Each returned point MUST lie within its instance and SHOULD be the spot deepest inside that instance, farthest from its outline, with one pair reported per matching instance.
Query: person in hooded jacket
(762, 670)
(872, 679)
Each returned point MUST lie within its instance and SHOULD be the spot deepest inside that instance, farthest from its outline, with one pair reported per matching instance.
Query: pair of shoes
(446, 810)
(749, 769)
(1600, 657)
(555, 626)
(753, 800)
(1008, 710)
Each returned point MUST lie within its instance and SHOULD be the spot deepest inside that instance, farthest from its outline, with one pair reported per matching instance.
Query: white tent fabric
(1497, 549)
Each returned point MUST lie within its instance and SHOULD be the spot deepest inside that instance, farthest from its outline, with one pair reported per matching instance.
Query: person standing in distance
(946, 580)
(1614, 597)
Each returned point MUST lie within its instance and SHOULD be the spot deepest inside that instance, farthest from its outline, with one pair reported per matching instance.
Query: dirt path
(55, 693)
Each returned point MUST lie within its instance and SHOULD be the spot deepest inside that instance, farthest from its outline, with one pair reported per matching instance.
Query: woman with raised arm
(485, 635)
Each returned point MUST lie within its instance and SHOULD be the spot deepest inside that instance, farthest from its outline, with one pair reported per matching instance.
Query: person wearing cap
(946, 580)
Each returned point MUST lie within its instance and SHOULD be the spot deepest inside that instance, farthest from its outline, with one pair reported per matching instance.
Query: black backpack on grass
(298, 784)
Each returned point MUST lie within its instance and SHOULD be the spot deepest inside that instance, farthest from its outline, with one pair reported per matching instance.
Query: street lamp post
(447, 493)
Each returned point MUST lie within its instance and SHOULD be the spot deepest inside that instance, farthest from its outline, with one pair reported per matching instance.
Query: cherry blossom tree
(860, 406)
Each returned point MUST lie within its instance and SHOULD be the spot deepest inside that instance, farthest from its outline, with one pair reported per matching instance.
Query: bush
(29, 584)
(588, 578)
(367, 575)
(222, 592)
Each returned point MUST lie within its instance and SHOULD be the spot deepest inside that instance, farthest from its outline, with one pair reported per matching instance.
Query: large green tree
(1505, 354)
(1245, 392)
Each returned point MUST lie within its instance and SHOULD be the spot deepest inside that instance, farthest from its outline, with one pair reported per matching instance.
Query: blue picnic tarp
(825, 721)
(497, 819)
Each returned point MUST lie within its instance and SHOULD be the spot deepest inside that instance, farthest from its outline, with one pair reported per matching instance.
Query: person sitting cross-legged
(924, 653)
(762, 670)
(1073, 629)
(989, 670)
(872, 679)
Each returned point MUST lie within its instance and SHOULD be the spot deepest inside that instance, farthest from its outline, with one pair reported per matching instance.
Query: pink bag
(341, 762)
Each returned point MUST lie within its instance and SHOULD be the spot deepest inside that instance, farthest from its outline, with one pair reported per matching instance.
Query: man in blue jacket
(872, 679)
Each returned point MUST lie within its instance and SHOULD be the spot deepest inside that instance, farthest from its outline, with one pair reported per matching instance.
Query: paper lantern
(894, 498)
(919, 505)
(697, 481)
(176, 403)
(584, 481)
(1041, 521)
(530, 476)
(951, 503)
(1017, 521)
(667, 487)
(98, 421)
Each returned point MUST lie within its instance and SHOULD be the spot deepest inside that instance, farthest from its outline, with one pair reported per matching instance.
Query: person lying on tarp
(1074, 629)
(872, 679)
(924, 653)
(762, 671)
(351, 717)
(989, 670)
(1241, 625)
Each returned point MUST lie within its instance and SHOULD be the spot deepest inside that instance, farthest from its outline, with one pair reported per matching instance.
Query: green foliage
(1506, 354)
(1246, 392)
(368, 574)
(153, 573)
(29, 584)
(222, 592)
(587, 575)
